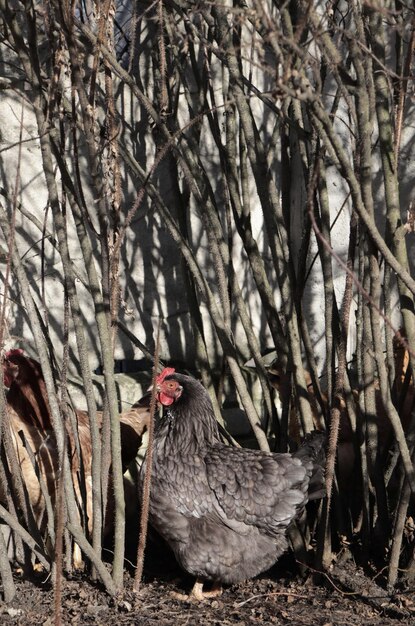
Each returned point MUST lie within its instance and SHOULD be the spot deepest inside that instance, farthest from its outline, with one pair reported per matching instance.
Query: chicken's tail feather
(312, 453)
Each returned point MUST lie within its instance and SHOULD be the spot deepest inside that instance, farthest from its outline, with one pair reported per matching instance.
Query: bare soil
(345, 598)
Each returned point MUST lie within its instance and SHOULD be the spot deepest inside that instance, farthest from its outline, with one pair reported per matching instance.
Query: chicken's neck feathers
(189, 425)
(29, 401)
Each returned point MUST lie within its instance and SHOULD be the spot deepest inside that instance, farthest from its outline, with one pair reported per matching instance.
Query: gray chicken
(224, 511)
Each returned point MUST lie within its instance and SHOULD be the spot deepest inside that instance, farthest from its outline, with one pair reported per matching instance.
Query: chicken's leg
(197, 594)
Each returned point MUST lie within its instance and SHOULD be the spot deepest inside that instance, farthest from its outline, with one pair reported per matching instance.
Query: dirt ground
(281, 596)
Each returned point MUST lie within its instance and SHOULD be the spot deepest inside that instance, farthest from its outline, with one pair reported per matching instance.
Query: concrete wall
(152, 278)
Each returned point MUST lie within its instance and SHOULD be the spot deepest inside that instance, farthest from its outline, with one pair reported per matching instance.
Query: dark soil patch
(273, 598)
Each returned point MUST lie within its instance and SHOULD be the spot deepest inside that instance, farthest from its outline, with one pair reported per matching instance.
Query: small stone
(126, 606)
(14, 612)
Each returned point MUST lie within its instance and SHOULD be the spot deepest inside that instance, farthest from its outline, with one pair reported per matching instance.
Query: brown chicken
(28, 413)
(224, 511)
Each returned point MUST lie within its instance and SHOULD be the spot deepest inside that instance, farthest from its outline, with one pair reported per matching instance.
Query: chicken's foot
(197, 594)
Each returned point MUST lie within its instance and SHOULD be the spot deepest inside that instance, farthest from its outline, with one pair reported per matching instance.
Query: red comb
(166, 372)
(13, 352)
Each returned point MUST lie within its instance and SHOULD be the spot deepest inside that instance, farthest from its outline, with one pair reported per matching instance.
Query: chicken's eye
(170, 385)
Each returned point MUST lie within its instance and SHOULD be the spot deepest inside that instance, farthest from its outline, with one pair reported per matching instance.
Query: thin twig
(269, 595)
(397, 426)
(145, 495)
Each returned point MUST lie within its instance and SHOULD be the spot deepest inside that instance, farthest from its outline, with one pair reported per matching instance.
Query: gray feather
(224, 511)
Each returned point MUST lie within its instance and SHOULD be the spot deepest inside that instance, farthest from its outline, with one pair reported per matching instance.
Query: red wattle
(164, 399)
(7, 380)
